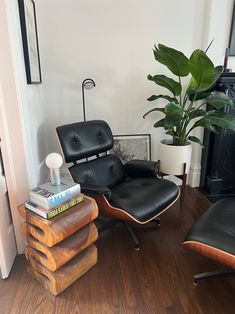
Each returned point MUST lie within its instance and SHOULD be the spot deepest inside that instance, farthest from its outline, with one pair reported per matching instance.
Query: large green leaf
(219, 118)
(155, 97)
(204, 74)
(199, 95)
(172, 119)
(173, 107)
(173, 113)
(155, 109)
(162, 80)
(195, 113)
(159, 123)
(195, 139)
(175, 60)
(194, 87)
(200, 65)
(211, 128)
(218, 100)
(171, 132)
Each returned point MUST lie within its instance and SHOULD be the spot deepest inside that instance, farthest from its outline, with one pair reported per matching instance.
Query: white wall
(111, 42)
(219, 23)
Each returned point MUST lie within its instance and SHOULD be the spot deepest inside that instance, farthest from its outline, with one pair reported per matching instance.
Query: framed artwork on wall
(129, 147)
(30, 41)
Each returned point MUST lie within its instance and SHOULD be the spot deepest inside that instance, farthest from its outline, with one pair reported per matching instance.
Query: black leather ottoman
(213, 236)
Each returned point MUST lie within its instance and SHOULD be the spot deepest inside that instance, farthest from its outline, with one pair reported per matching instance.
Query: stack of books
(49, 200)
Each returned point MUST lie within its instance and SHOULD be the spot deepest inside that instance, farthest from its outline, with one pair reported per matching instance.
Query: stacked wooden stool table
(61, 250)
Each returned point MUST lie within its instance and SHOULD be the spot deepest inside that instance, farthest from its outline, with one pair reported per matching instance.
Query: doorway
(8, 249)
(13, 144)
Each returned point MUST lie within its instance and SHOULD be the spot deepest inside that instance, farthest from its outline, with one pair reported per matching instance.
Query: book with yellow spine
(50, 213)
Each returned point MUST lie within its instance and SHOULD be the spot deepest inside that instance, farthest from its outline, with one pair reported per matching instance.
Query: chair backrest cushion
(104, 171)
(84, 139)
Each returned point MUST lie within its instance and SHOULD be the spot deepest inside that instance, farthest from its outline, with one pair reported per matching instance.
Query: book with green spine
(50, 213)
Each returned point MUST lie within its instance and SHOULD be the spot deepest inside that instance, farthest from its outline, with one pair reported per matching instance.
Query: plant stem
(180, 92)
(187, 134)
(185, 100)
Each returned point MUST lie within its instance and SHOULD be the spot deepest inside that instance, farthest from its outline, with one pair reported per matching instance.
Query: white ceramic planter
(172, 158)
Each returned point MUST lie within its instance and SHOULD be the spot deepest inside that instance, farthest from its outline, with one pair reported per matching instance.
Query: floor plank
(156, 279)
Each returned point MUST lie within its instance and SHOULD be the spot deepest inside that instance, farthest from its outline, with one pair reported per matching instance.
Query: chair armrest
(141, 168)
(92, 189)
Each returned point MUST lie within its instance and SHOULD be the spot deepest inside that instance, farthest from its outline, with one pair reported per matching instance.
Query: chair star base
(213, 274)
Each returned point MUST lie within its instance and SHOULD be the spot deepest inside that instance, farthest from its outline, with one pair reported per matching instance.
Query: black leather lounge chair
(213, 236)
(129, 192)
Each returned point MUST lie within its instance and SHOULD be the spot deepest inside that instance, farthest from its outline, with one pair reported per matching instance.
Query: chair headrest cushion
(84, 139)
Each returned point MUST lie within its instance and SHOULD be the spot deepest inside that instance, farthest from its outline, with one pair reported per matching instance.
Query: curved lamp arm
(86, 84)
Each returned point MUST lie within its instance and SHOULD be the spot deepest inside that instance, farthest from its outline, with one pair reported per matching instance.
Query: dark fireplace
(218, 156)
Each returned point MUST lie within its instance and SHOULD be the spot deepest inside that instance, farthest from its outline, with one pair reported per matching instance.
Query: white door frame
(12, 130)
(8, 249)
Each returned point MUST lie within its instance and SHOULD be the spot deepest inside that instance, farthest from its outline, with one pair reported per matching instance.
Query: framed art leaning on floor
(30, 41)
(129, 147)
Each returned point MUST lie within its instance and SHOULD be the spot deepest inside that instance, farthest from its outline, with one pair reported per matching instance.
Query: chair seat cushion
(213, 235)
(144, 198)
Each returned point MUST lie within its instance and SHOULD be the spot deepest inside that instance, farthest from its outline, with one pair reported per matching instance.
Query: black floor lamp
(86, 84)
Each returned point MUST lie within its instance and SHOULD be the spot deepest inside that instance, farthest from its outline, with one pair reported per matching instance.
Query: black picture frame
(232, 35)
(29, 33)
(132, 146)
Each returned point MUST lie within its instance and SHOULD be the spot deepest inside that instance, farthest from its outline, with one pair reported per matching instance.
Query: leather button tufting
(75, 139)
(84, 139)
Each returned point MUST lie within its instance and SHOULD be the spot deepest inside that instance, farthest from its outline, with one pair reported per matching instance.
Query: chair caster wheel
(137, 248)
(195, 282)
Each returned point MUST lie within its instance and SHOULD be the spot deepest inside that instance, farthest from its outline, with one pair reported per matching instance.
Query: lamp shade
(89, 85)
(86, 84)
(54, 161)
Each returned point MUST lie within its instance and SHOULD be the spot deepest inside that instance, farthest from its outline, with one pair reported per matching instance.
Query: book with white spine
(49, 196)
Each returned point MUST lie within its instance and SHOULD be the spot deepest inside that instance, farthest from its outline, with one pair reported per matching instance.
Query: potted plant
(182, 112)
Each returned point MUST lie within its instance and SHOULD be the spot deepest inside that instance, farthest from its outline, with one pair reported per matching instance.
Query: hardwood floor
(156, 279)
